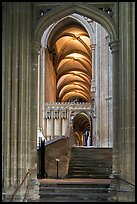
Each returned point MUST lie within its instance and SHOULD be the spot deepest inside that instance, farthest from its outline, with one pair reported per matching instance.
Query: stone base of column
(33, 194)
(19, 196)
(121, 191)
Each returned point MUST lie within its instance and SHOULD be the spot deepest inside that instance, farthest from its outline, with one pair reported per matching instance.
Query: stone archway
(80, 8)
(107, 22)
(82, 129)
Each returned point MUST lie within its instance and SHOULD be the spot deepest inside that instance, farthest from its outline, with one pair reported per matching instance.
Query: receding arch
(74, 16)
(80, 8)
(82, 123)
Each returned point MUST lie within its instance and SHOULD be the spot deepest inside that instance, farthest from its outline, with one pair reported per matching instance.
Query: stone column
(93, 92)
(43, 87)
(109, 95)
(127, 94)
(114, 46)
(57, 126)
(98, 84)
(50, 127)
(39, 90)
(93, 83)
(3, 96)
(16, 115)
(64, 125)
(34, 193)
(93, 66)
(6, 92)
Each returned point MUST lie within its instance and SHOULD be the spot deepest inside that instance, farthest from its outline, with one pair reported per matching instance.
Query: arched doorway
(82, 129)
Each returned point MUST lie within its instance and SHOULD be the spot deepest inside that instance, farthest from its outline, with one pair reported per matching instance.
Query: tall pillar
(6, 92)
(127, 96)
(98, 83)
(43, 87)
(109, 95)
(34, 193)
(93, 83)
(114, 46)
(93, 93)
(16, 66)
(39, 93)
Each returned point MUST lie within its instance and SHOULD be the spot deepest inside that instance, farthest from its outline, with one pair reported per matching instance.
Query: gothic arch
(49, 31)
(75, 7)
(82, 121)
(105, 21)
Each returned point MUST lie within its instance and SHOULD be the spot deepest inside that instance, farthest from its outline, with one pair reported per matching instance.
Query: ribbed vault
(71, 54)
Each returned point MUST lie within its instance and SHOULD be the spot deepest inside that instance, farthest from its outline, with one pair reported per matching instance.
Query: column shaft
(50, 127)
(64, 125)
(57, 126)
(7, 94)
(116, 104)
(15, 97)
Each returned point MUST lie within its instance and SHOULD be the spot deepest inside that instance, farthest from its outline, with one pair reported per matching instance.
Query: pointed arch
(80, 8)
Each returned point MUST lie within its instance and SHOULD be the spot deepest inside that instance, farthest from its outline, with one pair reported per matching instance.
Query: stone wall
(60, 149)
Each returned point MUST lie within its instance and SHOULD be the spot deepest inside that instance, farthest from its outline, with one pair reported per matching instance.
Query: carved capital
(55, 114)
(63, 114)
(47, 114)
(35, 47)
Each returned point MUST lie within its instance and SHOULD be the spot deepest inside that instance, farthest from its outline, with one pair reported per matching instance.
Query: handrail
(15, 192)
(27, 191)
(117, 176)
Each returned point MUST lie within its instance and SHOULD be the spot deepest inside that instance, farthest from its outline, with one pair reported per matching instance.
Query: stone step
(64, 189)
(107, 173)
(89, 151)
(74, 198)
(88, 169)
(74, 192)
(90, 163)
(91, 159)
(91, 168)
(94, 167)
(77, 183)
(93, 176)
(92, 154)
(94, 164)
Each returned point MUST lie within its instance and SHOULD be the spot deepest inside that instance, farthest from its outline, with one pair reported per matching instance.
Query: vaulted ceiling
(72, 61)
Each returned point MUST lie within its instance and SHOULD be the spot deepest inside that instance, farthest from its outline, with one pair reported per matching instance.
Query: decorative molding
(62, 110)
(42, 9)
(91, 11)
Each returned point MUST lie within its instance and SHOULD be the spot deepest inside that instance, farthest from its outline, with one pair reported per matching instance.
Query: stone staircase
(87, 179)
(90, 163)
(74, 192)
